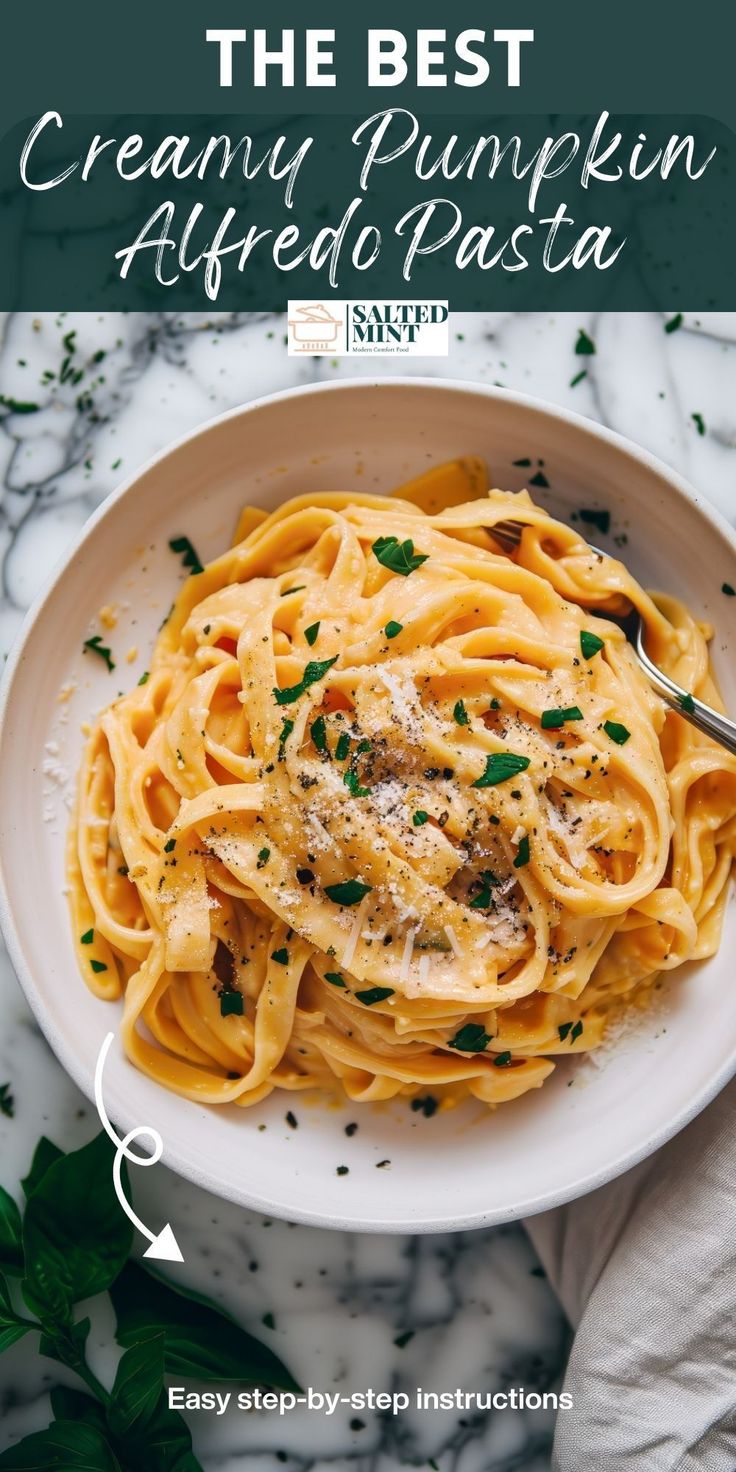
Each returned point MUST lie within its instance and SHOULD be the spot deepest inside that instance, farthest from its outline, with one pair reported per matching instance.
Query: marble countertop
(482, 1314)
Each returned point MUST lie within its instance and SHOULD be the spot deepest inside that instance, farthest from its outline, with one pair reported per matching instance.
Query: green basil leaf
(45, 1154)
(201, 1341)
(138, 1385)
(46, 1297)
(68, 1404)
(75, 1234)
(163, 1444)
(11, 1328)
(69, 1444)
(65, 1343)
(11, 1235)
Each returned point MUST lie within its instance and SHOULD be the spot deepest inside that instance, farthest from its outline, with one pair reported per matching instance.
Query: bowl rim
(230, 1191)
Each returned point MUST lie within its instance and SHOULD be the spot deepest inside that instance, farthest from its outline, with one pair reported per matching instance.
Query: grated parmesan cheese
(354, 936)
(408, 952)
(454, 942)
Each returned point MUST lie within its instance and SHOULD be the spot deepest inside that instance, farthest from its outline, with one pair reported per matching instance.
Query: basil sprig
(73, 1242)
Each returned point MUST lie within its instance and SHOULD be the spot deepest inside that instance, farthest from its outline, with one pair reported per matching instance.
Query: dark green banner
(194, 156)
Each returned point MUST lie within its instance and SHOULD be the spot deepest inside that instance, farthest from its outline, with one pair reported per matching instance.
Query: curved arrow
(163, 1244)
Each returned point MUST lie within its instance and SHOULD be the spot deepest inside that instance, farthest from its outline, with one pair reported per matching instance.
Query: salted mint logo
(368, 329)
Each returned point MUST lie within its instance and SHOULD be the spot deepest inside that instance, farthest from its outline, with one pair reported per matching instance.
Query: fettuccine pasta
(395, 811)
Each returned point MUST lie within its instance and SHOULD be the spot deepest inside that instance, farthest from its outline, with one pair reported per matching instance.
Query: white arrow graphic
(164, 1245)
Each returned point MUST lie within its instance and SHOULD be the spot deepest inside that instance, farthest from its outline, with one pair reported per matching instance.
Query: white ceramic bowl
(463, 1169)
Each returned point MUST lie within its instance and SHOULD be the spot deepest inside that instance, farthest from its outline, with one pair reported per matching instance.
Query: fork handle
(711, 722)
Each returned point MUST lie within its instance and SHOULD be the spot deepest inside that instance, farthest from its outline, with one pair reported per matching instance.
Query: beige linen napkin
(645, 1269)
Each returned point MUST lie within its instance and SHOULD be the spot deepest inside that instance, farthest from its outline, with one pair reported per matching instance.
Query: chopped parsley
(170, 846)
(343, 746)
(500, 766)
(335, 979)
(98, 966)
(459, 714)
(402, 1340)
(578, 378)
(524, 462)
(591, 517)
(96, 646)
(311, 633)
(7, 1102)
(291, 1120)
(87, 938)
(341, 1170)
(674, 323)
(617, 732)
(728, 589)
(484, 899)
(556, 717)
(348, 891)
(286, 729)
(144, 678)
(573, 1030)
(299, 589)
(590, 644)
(687, 703)
(18, 406)
(424, 1104)
(472, 1038)
(584, 347)
(231, 1004)
(281, 957)
(699, 422)
(392, 629)
(189, 558)
(398, 557)
(502, 1060)
(352, 782)
(318, 733)
(539, 479)
(374, 994)
(420, 818)
(264, 855)
(522, 853)
(315, 670)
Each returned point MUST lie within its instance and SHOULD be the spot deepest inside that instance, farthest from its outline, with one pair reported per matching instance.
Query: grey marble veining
(111, 391)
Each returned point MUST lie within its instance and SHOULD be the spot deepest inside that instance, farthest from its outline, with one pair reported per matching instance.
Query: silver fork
(720, 728)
